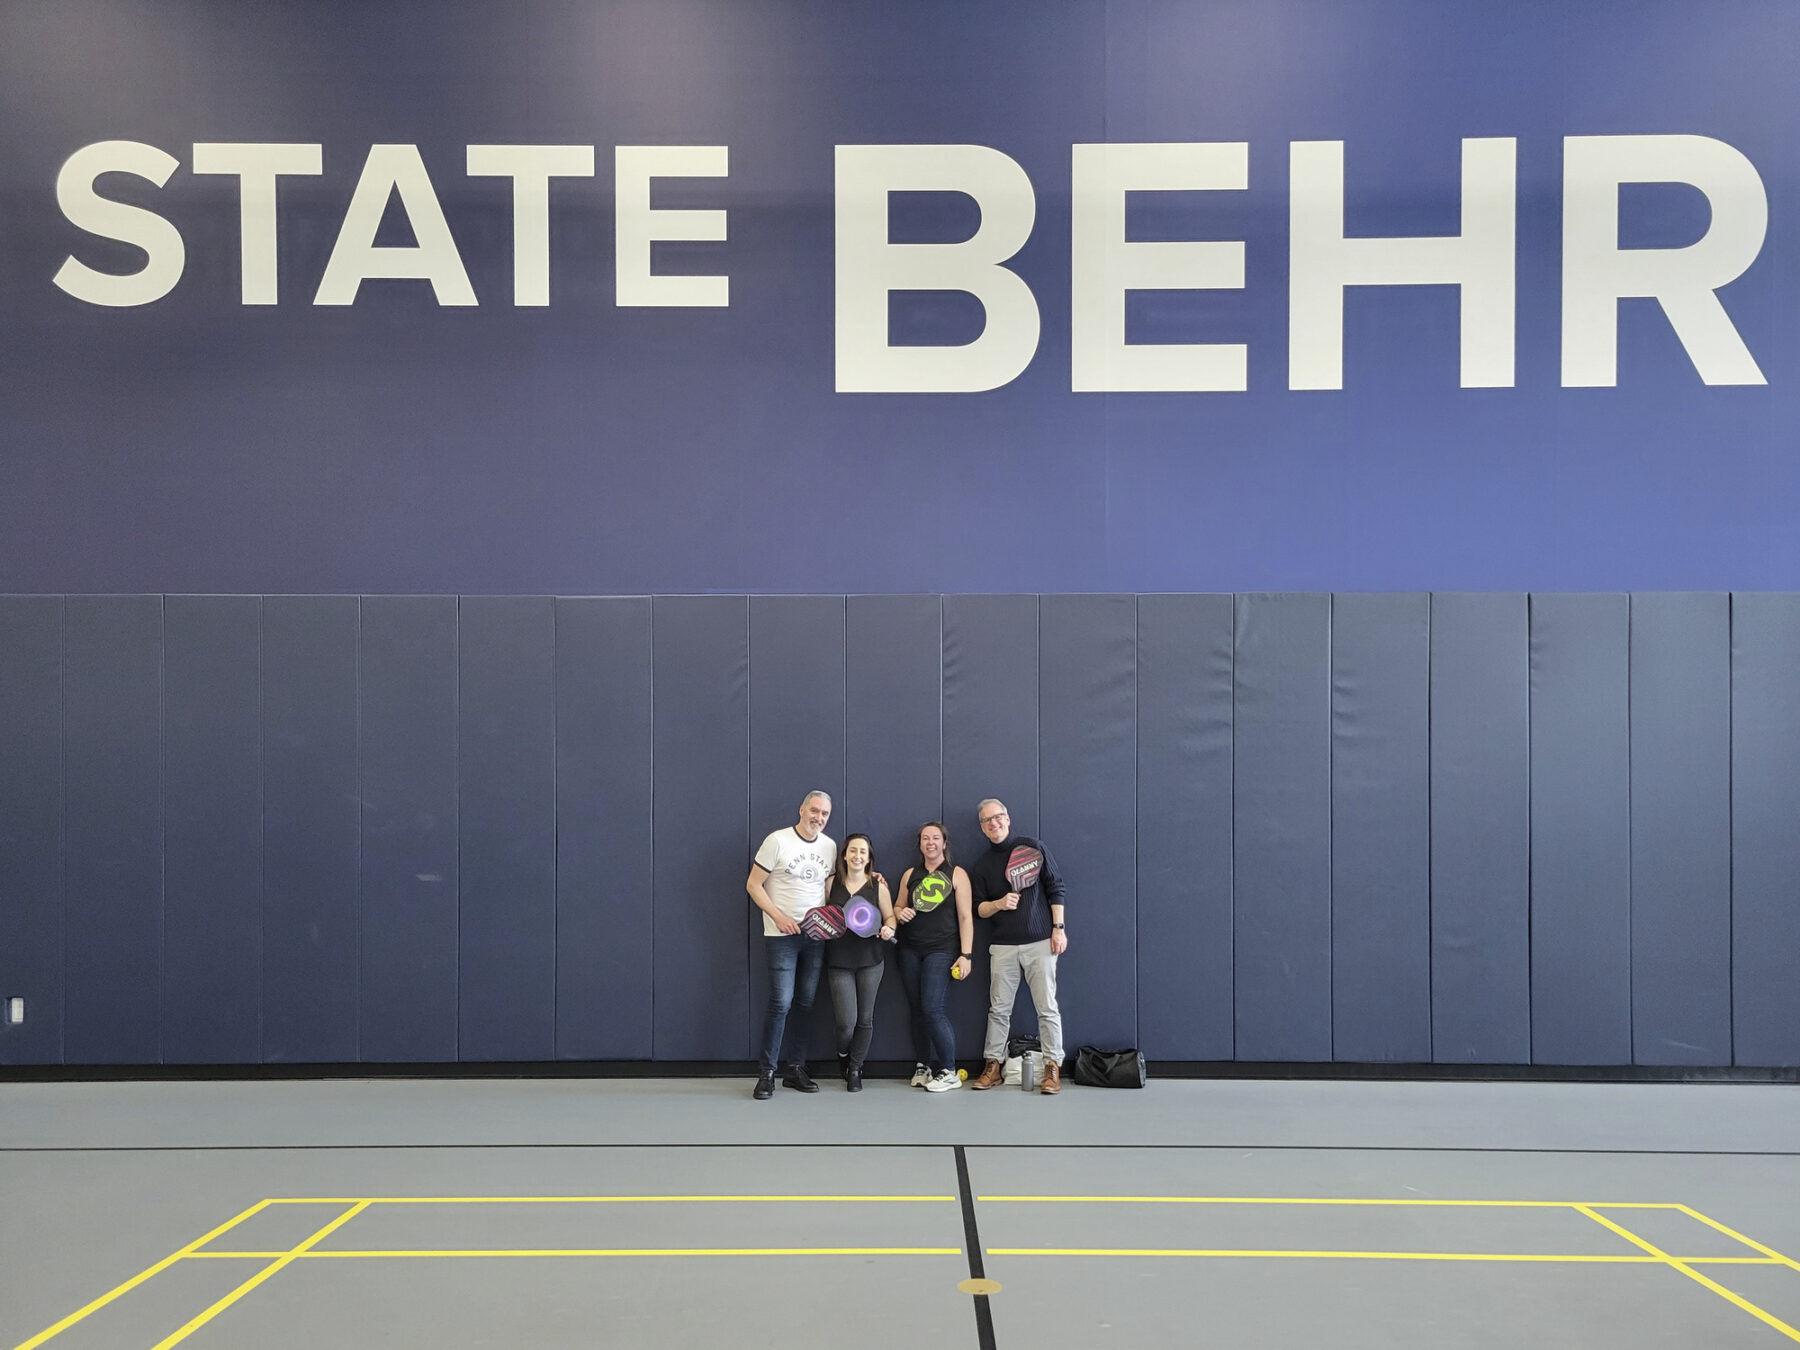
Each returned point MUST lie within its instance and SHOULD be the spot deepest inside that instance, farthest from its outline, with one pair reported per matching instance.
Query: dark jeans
(794, 964)
(853, 1000)
(926, 976)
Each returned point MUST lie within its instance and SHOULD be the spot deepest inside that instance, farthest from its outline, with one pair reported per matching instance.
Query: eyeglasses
(998, 815)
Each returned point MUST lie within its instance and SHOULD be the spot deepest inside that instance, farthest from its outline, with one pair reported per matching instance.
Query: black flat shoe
(765, 1087)
(853, 1080)
(796, 1077)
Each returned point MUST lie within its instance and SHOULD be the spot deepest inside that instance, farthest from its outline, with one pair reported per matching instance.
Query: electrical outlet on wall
(15, 1011)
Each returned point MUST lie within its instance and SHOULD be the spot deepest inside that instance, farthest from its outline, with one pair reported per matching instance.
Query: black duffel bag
(1093, 1067)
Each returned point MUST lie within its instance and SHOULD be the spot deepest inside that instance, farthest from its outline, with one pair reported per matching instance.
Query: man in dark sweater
(1026, 939)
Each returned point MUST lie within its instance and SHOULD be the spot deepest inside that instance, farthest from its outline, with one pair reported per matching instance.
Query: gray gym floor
(542, 1213)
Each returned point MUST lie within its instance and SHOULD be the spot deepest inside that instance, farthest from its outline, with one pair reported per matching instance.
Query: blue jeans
(926, 976)
(794, 964)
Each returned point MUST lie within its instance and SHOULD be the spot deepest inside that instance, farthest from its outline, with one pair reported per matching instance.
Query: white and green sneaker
(921, 1076)
(943, 1080)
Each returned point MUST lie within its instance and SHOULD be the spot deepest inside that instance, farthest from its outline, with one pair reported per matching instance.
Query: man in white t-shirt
(791, 875)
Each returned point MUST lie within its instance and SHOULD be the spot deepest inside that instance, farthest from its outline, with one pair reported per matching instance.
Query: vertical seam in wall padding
(1430, 847)
(1330, 826)
(262, 810)
(456, 810)
(62, 830)
(844, 744)
(1630, 871)
(1730, 828)
(650, 671)
(1232, 1020)
(1137, 1021)
(162, 819)
(1037, 737)
(1530, 846)
(943, 657)
(749, 785)
(555, 851)
(357, 688)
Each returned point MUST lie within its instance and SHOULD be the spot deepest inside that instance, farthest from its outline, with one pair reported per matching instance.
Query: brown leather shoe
(991, 1074)
(1052, 1078)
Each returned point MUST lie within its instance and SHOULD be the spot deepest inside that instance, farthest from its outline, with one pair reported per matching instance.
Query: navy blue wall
(199, 443)
(1397, 828)
(1488, 755)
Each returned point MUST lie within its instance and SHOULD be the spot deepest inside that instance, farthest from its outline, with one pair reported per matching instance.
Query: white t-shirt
(799, 873)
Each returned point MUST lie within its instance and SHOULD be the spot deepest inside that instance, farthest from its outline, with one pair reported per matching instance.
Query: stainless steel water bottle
(1030, 1069)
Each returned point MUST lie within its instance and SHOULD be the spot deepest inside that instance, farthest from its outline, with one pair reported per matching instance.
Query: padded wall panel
(702, 832)
(31, 852)
(1282, 823)
(990, 750)
(1184, 826)
(1681, 829)
(506, 815)
(311, 839)
(112, 819)
(1381, 828)
(1580, 830)
(410, 879)
(1765, 828)
(1480, 829)
(212, 793)
(1088, 753)
(604, 919)
(796, 745)
(893, 779)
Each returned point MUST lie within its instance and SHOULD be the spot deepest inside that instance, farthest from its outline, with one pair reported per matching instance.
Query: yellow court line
(601, 1251)
(993, 1251)
(1608, 1260)
(1686, 1268)
(1733, 1233)
(284, 1259)
(1293, 1200)
(616, 1200)
(138, 1279)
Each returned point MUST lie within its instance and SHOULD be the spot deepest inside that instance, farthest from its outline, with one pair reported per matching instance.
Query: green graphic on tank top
(931, 892)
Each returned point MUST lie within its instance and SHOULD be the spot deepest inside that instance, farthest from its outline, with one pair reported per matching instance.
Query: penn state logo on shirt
(931, 892)
(808, 868)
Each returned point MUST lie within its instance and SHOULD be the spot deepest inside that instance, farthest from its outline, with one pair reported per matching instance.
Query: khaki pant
(1038, 965)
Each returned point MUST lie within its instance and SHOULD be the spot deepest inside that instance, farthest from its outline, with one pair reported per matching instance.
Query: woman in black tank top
(937, 930)
(853, 964)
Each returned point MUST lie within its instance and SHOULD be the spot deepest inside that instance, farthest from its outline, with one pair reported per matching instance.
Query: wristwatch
(1057, 926)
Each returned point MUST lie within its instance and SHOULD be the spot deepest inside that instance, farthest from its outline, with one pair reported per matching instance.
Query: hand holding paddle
(1022, 868)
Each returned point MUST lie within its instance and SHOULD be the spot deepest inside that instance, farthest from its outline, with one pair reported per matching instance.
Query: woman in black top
(937, 931)
(854, 964)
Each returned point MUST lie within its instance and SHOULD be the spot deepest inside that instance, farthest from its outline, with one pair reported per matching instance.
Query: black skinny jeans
(853, 1000)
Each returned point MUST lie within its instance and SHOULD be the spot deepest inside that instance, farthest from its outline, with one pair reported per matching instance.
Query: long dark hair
(919, 867)
(843, 867)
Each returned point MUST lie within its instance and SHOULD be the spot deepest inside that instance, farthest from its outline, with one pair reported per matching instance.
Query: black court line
(812, 1144)
(984, 1315)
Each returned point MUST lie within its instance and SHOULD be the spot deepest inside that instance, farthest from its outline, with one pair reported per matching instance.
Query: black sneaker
(796, 1077)
(853, 1080)
(765, 1087)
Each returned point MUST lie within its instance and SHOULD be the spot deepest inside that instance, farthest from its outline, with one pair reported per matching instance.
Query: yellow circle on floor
(979, 1286)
